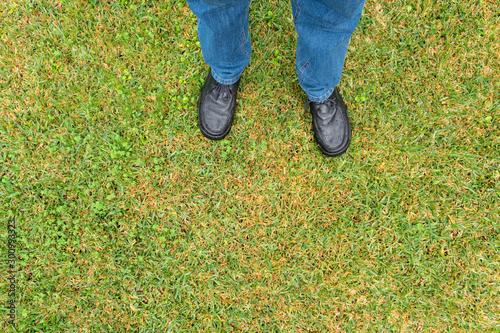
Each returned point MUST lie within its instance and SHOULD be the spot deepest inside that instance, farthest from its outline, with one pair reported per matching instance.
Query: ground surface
(128, 219)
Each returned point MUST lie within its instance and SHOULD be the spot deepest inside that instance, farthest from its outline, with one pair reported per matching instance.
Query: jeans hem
(322, 97)
(224, 81)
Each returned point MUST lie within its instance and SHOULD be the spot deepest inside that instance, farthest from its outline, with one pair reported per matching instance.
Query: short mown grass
(128, 219)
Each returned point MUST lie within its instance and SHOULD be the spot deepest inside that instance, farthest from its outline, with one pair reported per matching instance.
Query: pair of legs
(324, 29)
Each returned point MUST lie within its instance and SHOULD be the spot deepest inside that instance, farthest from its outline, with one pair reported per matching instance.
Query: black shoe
(332, 129)
(216, 108)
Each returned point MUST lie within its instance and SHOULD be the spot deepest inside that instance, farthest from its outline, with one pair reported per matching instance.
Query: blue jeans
(324, 29)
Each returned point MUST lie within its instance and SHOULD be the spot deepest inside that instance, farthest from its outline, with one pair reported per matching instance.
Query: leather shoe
(216, 108)
(332, 129)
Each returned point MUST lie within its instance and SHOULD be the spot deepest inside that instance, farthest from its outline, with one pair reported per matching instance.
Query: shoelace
(221, 90)
(330, 103)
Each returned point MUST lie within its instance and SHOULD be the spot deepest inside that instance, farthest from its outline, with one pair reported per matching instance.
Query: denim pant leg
(224, 37)
(324, 28)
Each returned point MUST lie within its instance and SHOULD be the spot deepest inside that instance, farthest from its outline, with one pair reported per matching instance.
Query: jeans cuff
(322, 97)
(223, 81)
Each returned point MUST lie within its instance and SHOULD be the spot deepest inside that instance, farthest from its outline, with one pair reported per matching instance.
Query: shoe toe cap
(334, 138)
(334, 144)
(335, 141)
(215, 125)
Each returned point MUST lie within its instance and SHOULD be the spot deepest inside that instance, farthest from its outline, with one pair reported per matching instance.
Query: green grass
(130, 220)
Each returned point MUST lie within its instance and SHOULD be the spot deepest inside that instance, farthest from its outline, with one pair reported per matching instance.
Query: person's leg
(225, 43)
(224, 37)
(324, 28)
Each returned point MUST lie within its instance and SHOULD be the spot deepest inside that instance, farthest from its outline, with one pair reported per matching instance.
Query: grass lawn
(129, 220)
